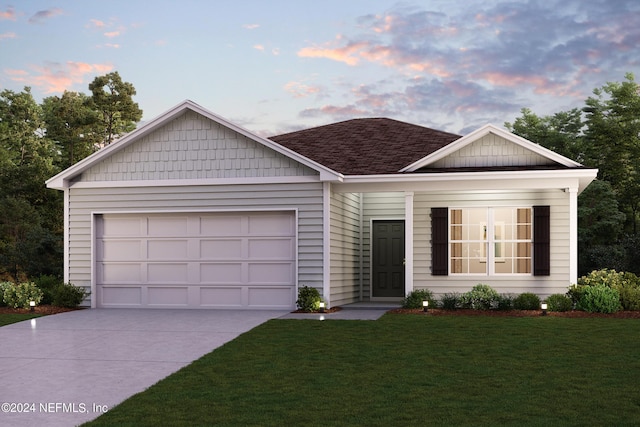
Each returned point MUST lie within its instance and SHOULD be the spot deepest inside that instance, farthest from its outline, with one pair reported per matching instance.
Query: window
(490, 240)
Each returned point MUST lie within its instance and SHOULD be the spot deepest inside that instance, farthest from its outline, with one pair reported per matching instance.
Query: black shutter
(541, 241)
(439, 241)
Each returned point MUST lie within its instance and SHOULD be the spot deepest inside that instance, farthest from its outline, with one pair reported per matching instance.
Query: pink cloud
(111, 34)
(301, 90)
(8, 35)
(9, 14)
(57, 77)
(347, 54)
(259, 47)
(96, 23)
(251, 26)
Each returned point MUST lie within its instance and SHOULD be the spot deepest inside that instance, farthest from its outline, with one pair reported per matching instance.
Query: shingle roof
(366, 146)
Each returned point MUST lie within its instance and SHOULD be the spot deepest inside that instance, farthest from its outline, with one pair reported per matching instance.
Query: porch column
(573, 234)
(408, 241)
(326, 243)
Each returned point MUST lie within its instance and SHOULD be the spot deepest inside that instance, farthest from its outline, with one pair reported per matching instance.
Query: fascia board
(480, 133)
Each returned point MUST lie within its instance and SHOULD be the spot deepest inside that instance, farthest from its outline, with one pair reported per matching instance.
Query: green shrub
(47, 284)
(627, 284)
(450, 301)
(505, 302)
(3, 286)
(68, 295)
(19, 295)
(629, 297)
(575, 294)
(559, 302)
(527, 301)
(481, 297)
(414, 298)
(308, 299)
(599, 299)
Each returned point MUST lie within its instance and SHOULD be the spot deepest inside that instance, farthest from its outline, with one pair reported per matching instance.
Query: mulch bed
(326, 310)
(40, 309)
(516, 313)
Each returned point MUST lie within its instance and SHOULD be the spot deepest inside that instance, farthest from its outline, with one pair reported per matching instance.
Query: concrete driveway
(65, 369)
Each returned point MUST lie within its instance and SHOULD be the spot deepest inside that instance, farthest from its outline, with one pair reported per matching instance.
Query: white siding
(557, 282)
(345, 248)
(377, 206)
(194, 147)
(305, 198)
(491, 150)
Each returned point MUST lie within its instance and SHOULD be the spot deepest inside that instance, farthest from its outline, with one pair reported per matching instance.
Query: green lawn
(406, 370)
(6, 319)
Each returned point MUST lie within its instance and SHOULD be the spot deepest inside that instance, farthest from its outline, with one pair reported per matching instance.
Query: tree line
(604, 134)
(38, 141)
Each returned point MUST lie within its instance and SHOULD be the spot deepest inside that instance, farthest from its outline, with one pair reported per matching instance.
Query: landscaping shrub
(559, 302)
(308, 299)
(3, 286)
(505, 302)
(47, 284)
(599, 299)
(481, 297)
(526, 301)
(19, 295)
(627, 284)
(414, 298)
(450, 301)
(68, 295)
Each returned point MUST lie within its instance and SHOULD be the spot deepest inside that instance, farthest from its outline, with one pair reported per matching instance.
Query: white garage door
(196, 260)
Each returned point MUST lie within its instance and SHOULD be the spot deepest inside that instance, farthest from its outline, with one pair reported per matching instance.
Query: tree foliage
(37, 142)
(112, 98)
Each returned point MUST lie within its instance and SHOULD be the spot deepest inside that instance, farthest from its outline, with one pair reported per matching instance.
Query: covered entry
(196, 260)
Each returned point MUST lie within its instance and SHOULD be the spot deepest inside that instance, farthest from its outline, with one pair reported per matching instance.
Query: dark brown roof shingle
(366, 146)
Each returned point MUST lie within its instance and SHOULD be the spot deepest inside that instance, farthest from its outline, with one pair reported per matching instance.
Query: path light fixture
(425, 306)
(543, 306)
(32, 305)
(321, 306)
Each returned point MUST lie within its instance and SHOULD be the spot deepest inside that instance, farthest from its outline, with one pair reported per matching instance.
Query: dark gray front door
(387, 258)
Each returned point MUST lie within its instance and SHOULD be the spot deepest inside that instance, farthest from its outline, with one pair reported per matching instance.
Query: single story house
(193, 211)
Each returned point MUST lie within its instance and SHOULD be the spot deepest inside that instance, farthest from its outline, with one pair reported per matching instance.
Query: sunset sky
(276, 66)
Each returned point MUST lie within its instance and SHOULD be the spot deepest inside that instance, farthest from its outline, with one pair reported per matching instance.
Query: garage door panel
(168, 226)
(221, 297)
(168, 296)
(168, 273)
(120, 273)
(168, 249)
(120, 296)
(221, 273)
(281, 273)
(283, 248)
(222, 225)
(221, 248)
(196, 260)
(270, 224)
(270, 297)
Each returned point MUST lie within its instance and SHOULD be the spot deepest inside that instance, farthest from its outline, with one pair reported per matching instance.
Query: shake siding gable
(194, 147)
(491, 151)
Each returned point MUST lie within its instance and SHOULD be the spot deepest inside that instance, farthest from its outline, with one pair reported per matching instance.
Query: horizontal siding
(345, 248)
(306, 197)
(194, 147)
(557, 282)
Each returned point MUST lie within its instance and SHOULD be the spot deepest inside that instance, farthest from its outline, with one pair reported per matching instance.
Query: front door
(387, 258)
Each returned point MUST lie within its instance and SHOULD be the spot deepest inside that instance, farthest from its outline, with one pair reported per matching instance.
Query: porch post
(326, 243)
(408, 242)
(573, 235)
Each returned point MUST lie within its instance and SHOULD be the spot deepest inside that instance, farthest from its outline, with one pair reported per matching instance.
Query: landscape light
(544, 308)
(321, 306)
(425, 306)
(32, 304)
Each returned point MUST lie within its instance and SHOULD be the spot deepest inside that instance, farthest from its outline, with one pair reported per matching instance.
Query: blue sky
(277, 66)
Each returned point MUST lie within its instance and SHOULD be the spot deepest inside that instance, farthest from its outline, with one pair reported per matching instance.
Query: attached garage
(196, 260)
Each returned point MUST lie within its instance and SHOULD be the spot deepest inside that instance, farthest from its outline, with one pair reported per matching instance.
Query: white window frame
(488, 227)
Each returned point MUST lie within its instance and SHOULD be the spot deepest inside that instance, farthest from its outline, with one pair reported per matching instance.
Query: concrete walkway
(65, 369)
